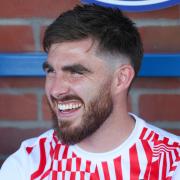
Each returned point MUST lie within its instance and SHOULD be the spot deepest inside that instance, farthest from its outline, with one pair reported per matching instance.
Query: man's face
(78, 88)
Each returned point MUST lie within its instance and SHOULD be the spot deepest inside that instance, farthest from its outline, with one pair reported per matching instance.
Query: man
(94, 53)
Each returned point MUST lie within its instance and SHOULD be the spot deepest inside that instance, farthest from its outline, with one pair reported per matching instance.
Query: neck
(112, 133)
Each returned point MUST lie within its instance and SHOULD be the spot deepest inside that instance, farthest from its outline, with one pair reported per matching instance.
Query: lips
(68, 109)
(69, 106)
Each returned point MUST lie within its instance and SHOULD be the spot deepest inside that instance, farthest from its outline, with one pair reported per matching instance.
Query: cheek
(87, 91)
(47, 89)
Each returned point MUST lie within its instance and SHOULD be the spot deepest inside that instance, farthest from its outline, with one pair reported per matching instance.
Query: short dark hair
(114, 32)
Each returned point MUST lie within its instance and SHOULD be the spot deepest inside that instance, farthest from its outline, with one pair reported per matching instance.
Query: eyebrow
(76, 68)
(68, 68)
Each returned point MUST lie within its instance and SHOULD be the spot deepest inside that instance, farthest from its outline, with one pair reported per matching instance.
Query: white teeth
(63, 107)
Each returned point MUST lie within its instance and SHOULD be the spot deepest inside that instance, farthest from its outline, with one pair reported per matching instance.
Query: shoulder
(154, 133)
(163, 135)
(21, 163)
(163, 147)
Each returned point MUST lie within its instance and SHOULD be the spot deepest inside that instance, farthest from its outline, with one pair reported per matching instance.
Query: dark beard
(97, 112)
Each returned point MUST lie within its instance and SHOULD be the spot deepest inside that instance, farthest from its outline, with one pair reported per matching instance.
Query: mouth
(66, 107)
(69, 109)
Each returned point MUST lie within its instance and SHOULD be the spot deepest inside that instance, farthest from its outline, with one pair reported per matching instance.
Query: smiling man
(94, 53)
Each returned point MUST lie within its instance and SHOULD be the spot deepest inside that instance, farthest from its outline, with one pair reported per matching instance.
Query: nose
(59, 87)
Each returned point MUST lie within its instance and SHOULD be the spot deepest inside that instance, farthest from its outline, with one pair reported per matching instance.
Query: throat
(108, 139)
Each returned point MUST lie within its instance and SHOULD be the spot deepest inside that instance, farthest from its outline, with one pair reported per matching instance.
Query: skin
(75, 68)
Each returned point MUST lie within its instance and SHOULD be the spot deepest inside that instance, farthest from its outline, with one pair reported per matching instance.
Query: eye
(77, 72)
(49, 70)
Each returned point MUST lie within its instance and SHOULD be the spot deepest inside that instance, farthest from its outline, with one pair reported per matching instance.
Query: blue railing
(30, 64)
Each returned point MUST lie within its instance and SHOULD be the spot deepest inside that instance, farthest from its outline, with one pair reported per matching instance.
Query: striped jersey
(149, 153)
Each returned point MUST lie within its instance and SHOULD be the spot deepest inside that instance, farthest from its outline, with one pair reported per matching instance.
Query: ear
(122, 78)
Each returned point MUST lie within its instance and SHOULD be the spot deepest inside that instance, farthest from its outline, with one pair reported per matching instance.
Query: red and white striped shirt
(149, 153)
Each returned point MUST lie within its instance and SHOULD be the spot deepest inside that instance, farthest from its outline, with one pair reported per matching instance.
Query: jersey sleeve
(16, 166)
(25, 161)
(11, 169)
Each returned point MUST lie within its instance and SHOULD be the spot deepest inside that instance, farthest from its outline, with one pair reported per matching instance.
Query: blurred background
(23, 108)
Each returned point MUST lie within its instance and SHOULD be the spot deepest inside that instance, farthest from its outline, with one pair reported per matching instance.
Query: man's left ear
(123, 77)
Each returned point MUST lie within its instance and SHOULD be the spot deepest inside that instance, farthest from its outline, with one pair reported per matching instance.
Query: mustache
(66, 98)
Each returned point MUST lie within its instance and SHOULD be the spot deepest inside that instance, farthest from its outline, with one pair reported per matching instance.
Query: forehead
(81, 51)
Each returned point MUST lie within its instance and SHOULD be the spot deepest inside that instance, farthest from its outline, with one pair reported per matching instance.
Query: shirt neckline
(123, 148)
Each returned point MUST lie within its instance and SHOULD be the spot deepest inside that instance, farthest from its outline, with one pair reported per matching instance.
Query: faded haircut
(115, 33)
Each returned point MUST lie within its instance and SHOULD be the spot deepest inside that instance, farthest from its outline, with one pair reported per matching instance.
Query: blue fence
(30, 64)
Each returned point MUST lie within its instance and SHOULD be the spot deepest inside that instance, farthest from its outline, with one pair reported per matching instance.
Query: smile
(70, 106)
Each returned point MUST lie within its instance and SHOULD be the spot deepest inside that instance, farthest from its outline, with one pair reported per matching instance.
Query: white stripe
(69, 153)
(111, 170)
(147, 134)
(175, 163)
(83, 165)
(173, 156)
(73, 165)
(100, 170)
(59, 176)
(48, 159)
(64, 162)
(142, 159)
(55, 165)
(77, 176)
(53, 143)
(92, 167)
(133, 3)
(87, 176)
(125, 163)
(168, 162)
(61, 151)
(67, 175)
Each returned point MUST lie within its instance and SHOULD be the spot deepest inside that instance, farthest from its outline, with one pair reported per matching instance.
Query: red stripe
(105, 170)
(69, 164)
(73, 176)
(47, 173)
(78, 164)
(170, 160)
(173, 167)
(134, 163)
(175, 144)
(82, 174)
(59, 166)
(143, 133)
(150, 135)
(118, 168)
(63, 175)
(55, 137)
(154, 174)
(51, 150)
(177, 155)
(149, 153)
(88, 165)
(169, 178)
(155, 139)
(164, 167)
(54, 175)
(95, 175)
(56, 151)
(42, 159)
(165, 140)
(65, 152)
